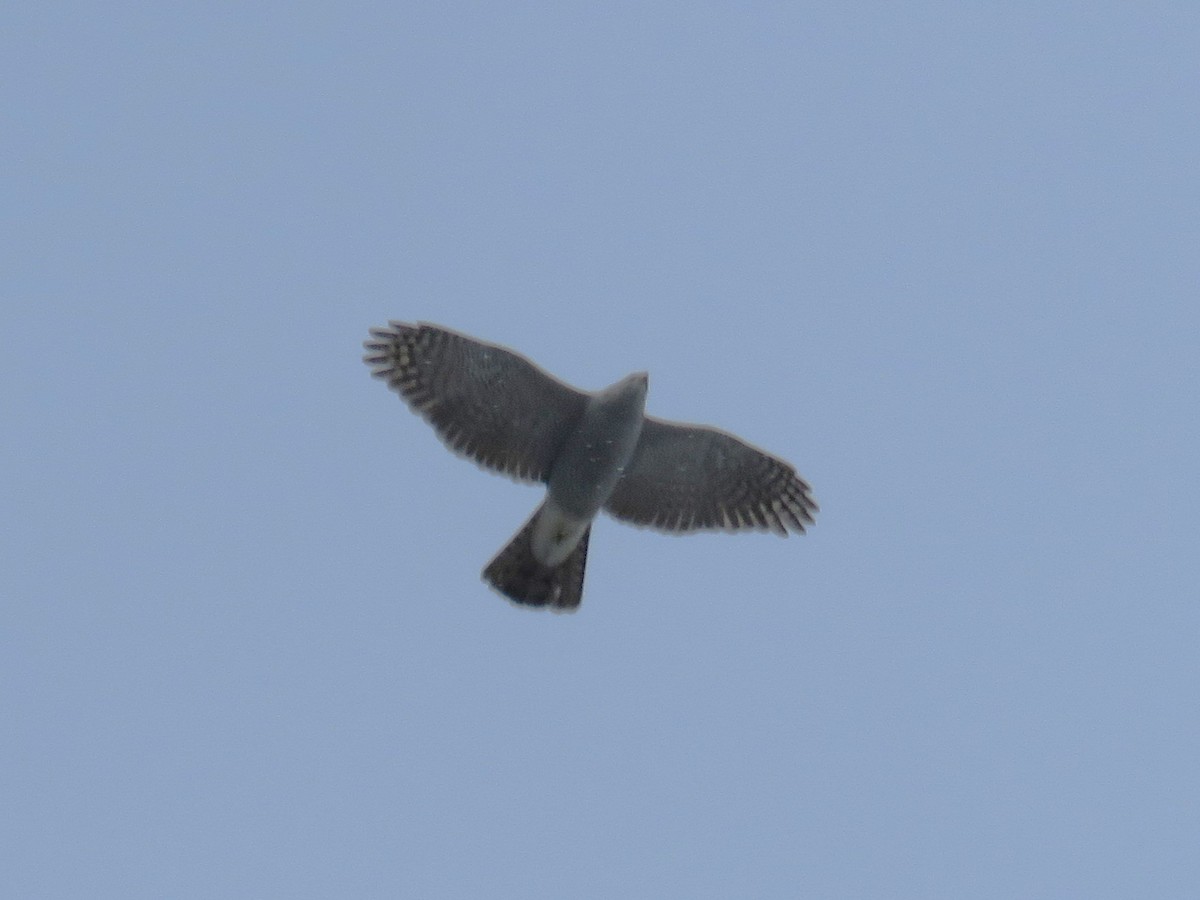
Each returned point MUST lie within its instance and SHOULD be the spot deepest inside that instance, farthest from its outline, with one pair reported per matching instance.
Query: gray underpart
(597, 451)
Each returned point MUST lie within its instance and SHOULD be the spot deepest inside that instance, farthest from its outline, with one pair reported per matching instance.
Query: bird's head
(638, 382)
(630, 390)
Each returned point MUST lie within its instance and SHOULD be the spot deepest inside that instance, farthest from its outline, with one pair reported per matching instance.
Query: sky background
(943, 257)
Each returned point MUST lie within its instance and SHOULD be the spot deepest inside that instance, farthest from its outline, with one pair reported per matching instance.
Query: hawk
(593, 451)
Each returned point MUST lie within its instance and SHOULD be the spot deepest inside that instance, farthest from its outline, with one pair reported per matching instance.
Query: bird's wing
(485, 402)
(692, 477)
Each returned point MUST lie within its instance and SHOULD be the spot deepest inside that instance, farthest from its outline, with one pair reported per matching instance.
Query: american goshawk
(593, 451)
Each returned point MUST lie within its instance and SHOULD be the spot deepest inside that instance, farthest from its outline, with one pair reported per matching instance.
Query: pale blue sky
(944, 257)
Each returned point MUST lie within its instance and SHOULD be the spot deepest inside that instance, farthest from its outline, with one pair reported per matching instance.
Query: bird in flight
(593, 451)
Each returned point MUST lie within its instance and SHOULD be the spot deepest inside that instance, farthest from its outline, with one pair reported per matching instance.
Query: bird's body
(544, 563)
(592, 450)
(596, 453)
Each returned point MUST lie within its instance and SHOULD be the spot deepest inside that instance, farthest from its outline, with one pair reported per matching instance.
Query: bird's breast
(594, 456)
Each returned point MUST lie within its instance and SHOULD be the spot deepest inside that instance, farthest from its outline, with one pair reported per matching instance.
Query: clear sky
(944, 257)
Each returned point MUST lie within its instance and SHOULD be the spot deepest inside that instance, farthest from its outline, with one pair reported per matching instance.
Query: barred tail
(519, 576)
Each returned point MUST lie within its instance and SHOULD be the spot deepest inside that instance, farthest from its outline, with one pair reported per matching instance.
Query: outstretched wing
(692, 477)
(485, 402)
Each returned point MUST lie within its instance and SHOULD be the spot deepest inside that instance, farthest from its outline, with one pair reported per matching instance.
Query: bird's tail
(517, 574)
